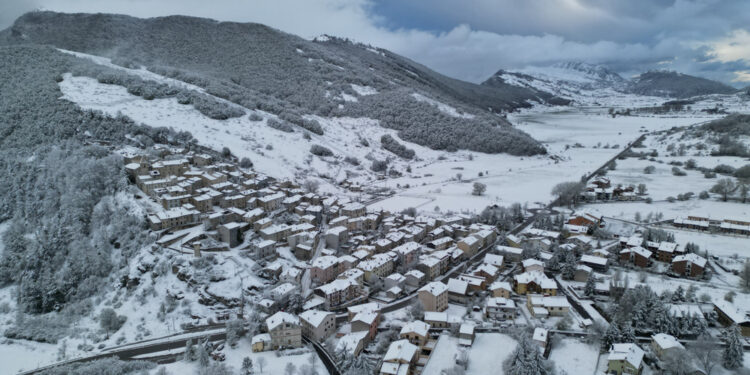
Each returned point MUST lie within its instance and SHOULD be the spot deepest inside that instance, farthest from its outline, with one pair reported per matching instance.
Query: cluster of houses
(357, 260)
(601, 189)
(701, 222)
(639, 252)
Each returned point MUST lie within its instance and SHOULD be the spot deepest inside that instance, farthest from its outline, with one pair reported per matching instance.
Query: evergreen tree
(590, 288)
(189, 350)
(247, 366)
(569, 267)
(732, 356)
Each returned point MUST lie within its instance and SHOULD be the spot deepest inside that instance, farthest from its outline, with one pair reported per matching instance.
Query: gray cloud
(475, 39)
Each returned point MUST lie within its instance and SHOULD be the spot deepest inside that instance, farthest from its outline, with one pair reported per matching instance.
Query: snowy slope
(278, 154)
(584, 84)
(588, 84)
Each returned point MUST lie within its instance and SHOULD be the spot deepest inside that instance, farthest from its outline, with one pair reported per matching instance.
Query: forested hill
(676, 85)
(262, 68)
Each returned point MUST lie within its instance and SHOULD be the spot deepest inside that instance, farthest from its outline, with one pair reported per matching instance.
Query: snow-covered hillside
(283, 155)
(582, 83)
(588, 84)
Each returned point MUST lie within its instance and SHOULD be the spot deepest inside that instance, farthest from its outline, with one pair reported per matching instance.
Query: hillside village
(395, 293)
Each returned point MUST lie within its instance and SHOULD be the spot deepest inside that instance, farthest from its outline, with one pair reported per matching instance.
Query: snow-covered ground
(273, 364)
(512, 179)
(571, 356)
(443, 357)
(488, 353)
(21, 355)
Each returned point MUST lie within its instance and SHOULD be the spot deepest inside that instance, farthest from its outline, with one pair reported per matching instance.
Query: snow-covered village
(323, 206)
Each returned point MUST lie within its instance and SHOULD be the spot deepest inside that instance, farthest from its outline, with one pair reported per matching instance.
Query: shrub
(709, 174)
(312, 125)
(703, 195)
(392, 145)
(379, 165)
(479, 188)
(691, 164)
(246, 163)
(280, 125)
(724, 169)
(255, 117)
(320, 150)
(743, 172)
(649, 170)
(678, 172)
(351, 160)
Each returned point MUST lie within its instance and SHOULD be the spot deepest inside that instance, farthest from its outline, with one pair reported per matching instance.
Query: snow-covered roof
(631, 353)
(263, 337)
(500, 285)
(668, 247)
(466, 329)
(540, 334)
(537, 277)
(281, 317)
(325, 261)
(666, 341)
(532, 262)
(731, 311)
(470, 240)
(591, 259)
(417, 326)
(500, 302)
(365, 317)
(638, 250)
(337, 285)
(400, 350)
(350, 341)
(435, 288)
(336, 230)
(509, 249)
(458, 286)
(415, 274)
(314, 317)
(494, 259)
(365, 307)
(691, 258)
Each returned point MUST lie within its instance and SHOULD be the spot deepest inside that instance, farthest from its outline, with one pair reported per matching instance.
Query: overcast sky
(471, 39)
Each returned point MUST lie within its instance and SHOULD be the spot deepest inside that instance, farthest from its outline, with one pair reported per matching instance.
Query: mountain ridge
(261, 67)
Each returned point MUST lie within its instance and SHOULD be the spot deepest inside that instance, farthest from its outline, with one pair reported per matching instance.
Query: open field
(511, 179)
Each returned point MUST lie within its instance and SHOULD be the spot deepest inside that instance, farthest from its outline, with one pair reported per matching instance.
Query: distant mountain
(259, 67)
(588, 84)
(676, 85)
(575, 81)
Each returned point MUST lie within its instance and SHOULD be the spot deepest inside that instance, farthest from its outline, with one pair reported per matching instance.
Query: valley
(183, 195)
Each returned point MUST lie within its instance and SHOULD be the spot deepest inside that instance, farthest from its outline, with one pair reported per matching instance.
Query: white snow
(488, 353)
(442, 107)
(511, 179)
(364, 90)
(574, 357)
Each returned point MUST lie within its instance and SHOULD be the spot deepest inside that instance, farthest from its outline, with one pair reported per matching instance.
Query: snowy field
(21, 355)
(488, 353)
(574, 357)
(274, 364)
(443, 357)
(525, 179)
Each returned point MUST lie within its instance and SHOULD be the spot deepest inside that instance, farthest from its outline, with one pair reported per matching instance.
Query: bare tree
(705, 352)
(725, 187)
(745, 276)
(479, 188)
(261, 363)
(311, 186)
(568, 192)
